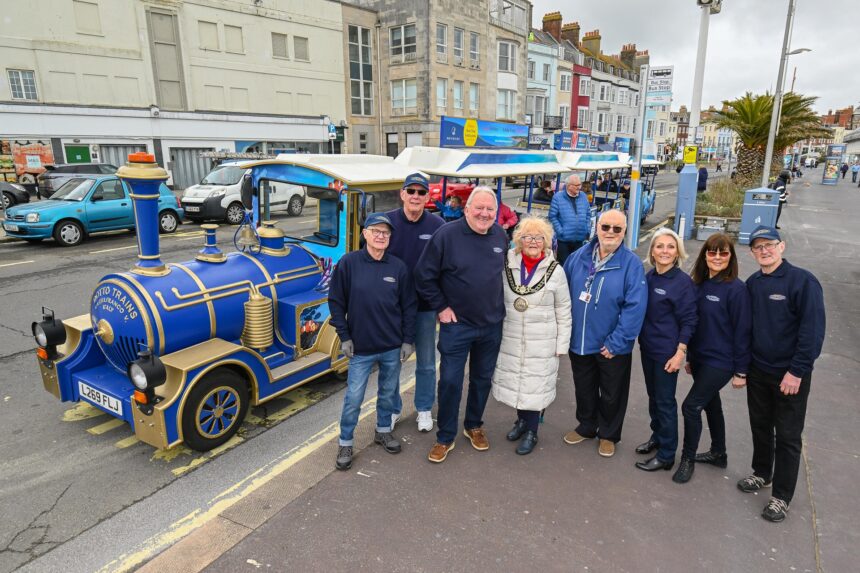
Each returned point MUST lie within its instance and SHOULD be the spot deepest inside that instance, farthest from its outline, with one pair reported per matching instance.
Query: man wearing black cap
(412, 231)
(787, 335)
(372, 303)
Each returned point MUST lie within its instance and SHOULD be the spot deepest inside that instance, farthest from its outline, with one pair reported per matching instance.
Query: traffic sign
(332, 131)
(691, 153)
(658, 90)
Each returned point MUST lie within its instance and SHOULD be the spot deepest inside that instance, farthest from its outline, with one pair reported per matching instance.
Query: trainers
(394, 419)
(344, 458)
(752, 484)
(606, 448)
(478, 439)
(425, 421)
(388, 442)
(574, 438)
(439, 452)
(775, 510)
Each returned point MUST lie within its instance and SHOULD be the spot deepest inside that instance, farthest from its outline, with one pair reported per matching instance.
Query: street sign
(658, 90)
(691, 153)
(332, 131)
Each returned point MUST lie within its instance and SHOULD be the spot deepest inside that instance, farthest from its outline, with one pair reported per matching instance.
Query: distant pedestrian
(719, 167)
(788, 323)
(570, 216)
(854, 170)
(544, 193)
(844, 169)
(507, 219)
(702, 183)
(780, 184)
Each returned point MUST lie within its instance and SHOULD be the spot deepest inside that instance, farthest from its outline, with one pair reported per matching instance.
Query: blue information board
(465, 132)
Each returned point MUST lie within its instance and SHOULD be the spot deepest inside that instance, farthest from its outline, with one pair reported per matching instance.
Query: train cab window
(328, 220)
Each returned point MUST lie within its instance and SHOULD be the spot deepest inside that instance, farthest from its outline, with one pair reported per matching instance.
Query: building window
(459, 39)
(442, 94)
(649, 129)
(474, 49)
(208, 32)
(474, 97)
(584, 86)
(619, 124)
(613, 95)
(602, 124)
(530, 70)
(404, 95)
(546, 72)
(582, 118)
(300, 49)
(362, 143)
(279, 46)
(536, 108)
(662, 129)
(441, 43)
(564, 112)
(565, 82)
(507, 57)
(506, 106)
(233, 41)
(458, 95)
(360, 70)
(23, 84)
(402, 40)
(604, 93)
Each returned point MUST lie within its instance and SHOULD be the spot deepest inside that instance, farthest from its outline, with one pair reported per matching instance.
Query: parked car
(52, 179)
(13, 194)
(459, 186)
(218, 196)
(83, 205)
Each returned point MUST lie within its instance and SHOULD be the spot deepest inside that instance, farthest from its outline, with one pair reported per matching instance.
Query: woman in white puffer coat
(536, 329)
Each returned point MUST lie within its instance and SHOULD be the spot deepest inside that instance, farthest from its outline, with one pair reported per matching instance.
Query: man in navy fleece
(460, 275)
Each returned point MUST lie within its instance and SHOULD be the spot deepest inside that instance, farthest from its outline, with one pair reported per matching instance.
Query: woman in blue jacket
(670, 321)
(719, 351)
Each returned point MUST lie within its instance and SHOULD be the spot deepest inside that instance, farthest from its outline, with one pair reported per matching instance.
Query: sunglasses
(615, 228)
(421, 192)
(716, 253)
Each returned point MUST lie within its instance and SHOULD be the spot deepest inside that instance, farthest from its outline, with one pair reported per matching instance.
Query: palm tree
(749, 117)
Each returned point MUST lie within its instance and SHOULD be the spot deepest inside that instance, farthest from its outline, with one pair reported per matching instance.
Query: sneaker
(606, 448)
(775, 510)
(752, 484)
(344, 458)
(394, 419)
(425, 421)
(478, 439)
(387, 440)
(439, 452)
(714, 459)
(574, 438)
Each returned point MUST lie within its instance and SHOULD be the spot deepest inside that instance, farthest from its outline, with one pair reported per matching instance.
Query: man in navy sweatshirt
(372, 303)
(787, 334)
(460, 276)
(413, 228)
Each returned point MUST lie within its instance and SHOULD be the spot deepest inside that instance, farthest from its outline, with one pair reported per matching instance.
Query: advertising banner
(622, 144)
(563, 141)
(463, 132)
(831, 171)
(581, 142)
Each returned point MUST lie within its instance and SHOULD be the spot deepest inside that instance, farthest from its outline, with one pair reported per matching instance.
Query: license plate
(192, 209)
(101, 399)
(10, 227)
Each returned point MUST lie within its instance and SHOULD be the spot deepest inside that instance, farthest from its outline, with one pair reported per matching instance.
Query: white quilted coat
(527, 368)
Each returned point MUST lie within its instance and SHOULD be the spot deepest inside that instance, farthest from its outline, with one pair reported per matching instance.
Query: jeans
(777, 423)
(425, 363)
(602, 386)
(662, 406)
(458, 341)
(853, 177)
(705, 395)
(387, 383)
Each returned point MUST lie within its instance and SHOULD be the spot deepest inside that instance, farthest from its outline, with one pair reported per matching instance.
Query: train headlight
(137, 375)
(147, 372)
(49, 333)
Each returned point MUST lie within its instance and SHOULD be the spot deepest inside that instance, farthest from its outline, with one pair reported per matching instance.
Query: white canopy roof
(479, 162)
(352, 169)
(592, 160)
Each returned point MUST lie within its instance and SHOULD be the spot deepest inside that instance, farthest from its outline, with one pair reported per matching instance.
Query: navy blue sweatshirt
(671, 316)
(787, 320)
(722, 338)
(463, 270)
(372, 302)
(409, 239)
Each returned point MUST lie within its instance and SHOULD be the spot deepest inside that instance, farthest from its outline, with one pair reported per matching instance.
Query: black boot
(714, 459)
(528, 443)
(685, 471)
(654, 464)
(517, 431)
(647, 447)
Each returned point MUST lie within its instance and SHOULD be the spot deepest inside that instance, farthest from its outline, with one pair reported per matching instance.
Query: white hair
(482, 189)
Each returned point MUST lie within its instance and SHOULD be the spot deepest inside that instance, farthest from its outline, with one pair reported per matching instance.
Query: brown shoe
(439, 452)
(574, 438)
(478, 438)
(606, 448)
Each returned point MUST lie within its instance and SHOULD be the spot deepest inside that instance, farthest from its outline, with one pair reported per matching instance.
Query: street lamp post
(707, 7)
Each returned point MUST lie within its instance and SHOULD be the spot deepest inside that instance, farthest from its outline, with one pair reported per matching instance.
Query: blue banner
(463, 132)
(563, 141)
(622, 144)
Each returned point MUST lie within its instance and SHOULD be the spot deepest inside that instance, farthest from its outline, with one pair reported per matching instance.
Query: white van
(218, 196)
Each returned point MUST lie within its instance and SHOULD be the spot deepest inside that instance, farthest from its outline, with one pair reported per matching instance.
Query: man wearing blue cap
(787, 334)
(372, 302)
(413, 228)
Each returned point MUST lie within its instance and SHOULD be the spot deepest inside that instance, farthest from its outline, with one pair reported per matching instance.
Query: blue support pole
(685, 204)
(499, 198)
(444, 188)
(558, 183)
(531, 192)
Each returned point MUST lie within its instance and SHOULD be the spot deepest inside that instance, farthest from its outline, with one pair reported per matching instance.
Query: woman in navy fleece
(669, 325)
(719, 351)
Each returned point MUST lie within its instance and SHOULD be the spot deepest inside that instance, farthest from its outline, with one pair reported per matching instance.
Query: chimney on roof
(641, 59)
(591, 42)
(570, 32)
(552, 25)
(628, 55)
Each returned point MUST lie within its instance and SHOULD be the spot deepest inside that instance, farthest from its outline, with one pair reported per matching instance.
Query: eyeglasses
(380, 233)
(764, 247)
(717, 253)
(532, 239)
(412, 191)
(615, 228)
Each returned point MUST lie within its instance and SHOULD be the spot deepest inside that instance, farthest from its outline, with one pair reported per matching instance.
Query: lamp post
(708, 7)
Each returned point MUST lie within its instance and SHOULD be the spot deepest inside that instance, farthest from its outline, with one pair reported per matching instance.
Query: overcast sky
(744, 43)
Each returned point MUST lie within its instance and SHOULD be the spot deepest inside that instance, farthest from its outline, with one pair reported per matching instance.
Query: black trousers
(705, 395)
(776, 421)
(565, 249)
(602, 386)
(531, 418)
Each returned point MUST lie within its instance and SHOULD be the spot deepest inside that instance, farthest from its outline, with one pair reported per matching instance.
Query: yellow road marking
(170, 454)
(189, 234)
(114, 249)
(251, 418)
(229, 444)
(18, 263)
(82, 411)
(127, 442)
(106, 427)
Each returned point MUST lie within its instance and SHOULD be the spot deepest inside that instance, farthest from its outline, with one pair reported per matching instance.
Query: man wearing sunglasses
(609, 298)
(413, 228)
(570, 215)
(787, 334)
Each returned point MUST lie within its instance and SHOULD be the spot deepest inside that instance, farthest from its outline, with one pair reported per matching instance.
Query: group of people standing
(513, 308)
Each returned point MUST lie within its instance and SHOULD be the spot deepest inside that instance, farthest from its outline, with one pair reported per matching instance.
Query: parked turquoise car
(83, 205)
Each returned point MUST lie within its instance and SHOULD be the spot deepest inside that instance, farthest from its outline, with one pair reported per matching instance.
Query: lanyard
(526, 278)
(596, 266)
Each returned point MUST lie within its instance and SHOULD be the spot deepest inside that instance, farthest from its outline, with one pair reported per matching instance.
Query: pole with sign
(631, 241)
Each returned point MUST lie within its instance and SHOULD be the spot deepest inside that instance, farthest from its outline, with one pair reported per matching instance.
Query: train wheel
(214, 410)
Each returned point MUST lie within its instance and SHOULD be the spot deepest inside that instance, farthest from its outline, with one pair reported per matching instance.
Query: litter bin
(760, 206)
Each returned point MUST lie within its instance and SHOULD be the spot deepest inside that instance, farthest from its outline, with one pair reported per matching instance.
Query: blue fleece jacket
(787, 320)
(613, 315)
(409, 238)
(570, 217)
(671, 315)
(722, 338)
